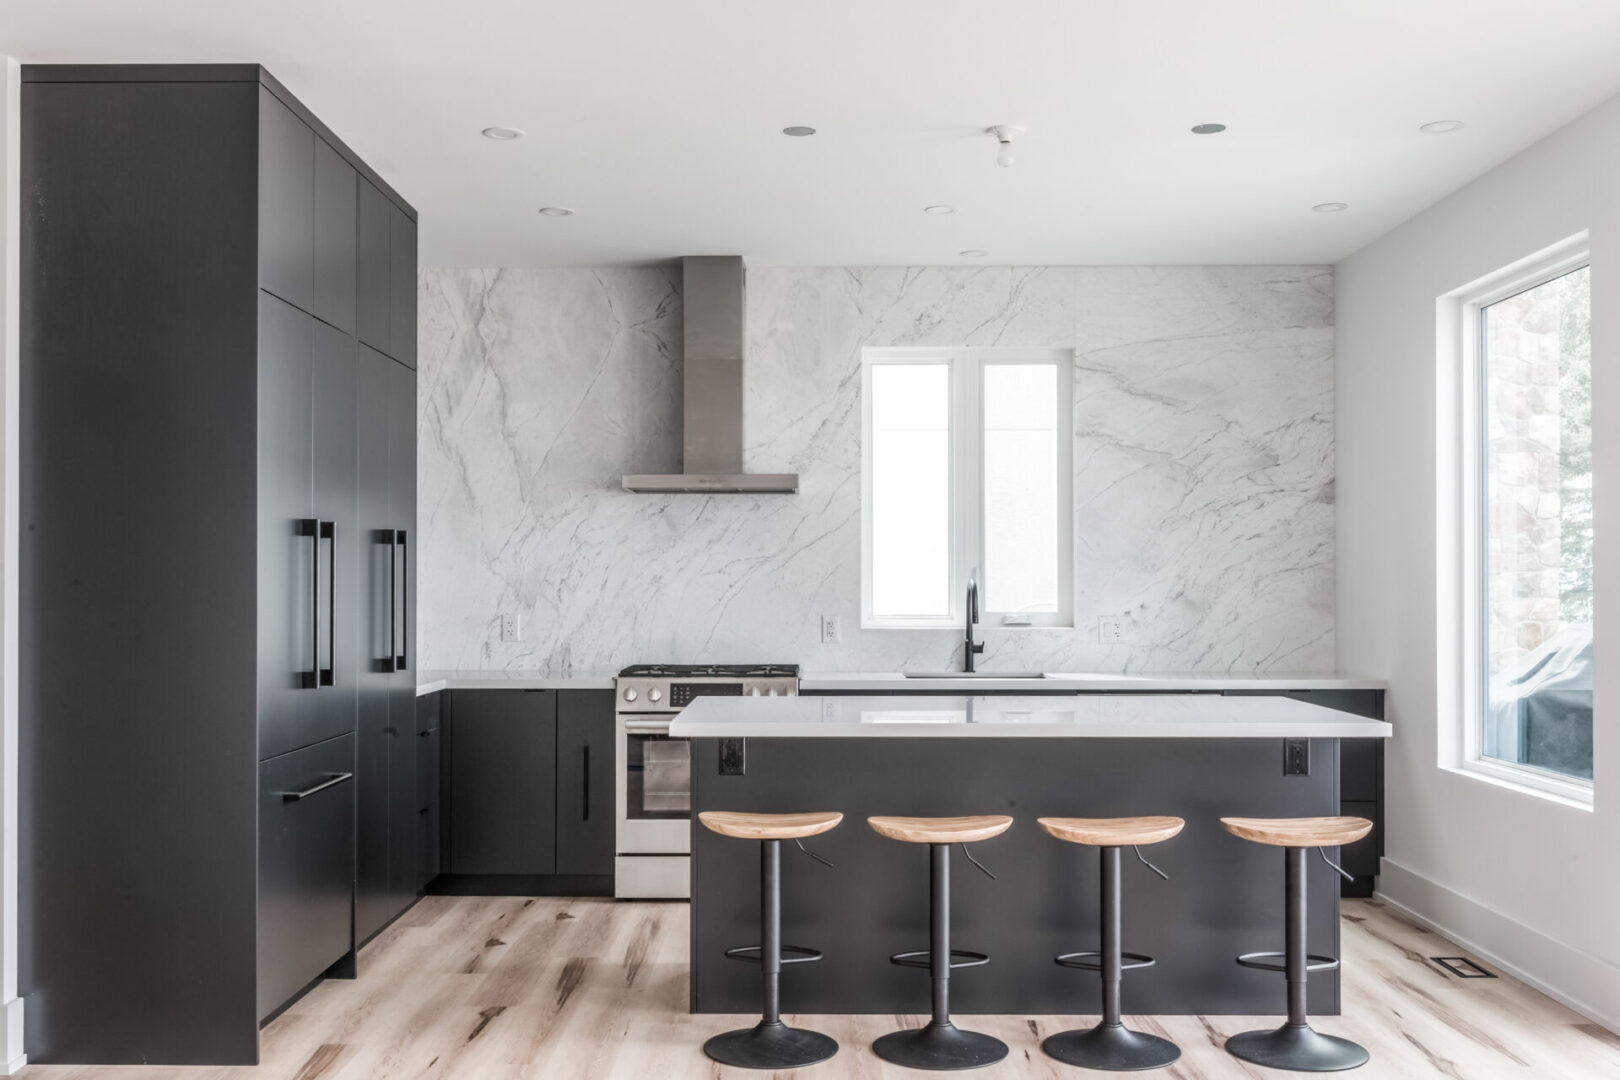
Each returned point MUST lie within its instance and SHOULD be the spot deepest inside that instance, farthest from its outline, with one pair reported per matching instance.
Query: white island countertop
(1073, 682)
(1160, 716)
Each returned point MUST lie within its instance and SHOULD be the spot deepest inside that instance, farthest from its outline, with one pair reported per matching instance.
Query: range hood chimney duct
(713, 288)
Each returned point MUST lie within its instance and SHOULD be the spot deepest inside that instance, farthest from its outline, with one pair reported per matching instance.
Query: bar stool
(941, 1044)
(1111, 1045)
(1296, 1045)
(771, 1044)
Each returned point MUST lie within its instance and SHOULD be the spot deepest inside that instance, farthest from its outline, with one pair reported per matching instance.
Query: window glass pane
(911, 489)
(1537, 383)
(1021, 488)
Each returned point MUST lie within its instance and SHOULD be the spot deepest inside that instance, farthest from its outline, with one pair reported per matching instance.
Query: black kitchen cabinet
(386, 280)
(585, 782)
(402, 287)
(503, 782)
(201, 515)
(429, 821)
(306, 867)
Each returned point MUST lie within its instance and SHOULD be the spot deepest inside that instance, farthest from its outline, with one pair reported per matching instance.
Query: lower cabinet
(306, 867)
(429, 821)
(528, 785)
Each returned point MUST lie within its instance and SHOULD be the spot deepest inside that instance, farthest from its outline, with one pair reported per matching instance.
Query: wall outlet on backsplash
(512, 627)
(1111, 629)
(832, 630)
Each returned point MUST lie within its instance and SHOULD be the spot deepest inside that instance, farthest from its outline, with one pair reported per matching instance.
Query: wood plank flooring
(479, 988)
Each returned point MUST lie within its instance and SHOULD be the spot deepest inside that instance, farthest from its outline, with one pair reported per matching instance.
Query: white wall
(1531, 883)
(11, 1044)
(1203, 454)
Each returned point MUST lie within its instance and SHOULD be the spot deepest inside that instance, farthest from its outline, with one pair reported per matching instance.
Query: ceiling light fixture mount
(1441, 127)
(1004, 134)
(939, 209)
(556, 211)
(798, 131)
(1330, 207)
(503, 134)
(1208, 129)
(973, 253)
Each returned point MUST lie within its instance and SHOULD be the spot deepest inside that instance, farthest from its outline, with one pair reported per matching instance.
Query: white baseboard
(11, 1038)
(1575, 979)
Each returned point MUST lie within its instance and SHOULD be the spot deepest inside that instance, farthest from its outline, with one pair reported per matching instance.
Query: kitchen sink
(975, 674)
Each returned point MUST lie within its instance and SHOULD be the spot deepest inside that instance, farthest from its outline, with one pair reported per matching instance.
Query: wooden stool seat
(750, 826)
(1112, 832)
(941, 830)
(1300, 832)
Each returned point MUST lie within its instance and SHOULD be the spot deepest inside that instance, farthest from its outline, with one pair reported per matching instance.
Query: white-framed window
(966, 466)
(1521, 461)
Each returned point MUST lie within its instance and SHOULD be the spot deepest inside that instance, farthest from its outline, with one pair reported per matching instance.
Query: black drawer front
(306, 867)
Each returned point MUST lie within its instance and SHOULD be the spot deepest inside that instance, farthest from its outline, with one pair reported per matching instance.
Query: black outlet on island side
(733, 757)
(1296, 757)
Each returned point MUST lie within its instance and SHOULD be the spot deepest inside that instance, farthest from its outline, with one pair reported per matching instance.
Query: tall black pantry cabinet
(218, 514)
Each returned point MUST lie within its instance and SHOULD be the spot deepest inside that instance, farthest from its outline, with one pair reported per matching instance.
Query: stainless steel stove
(654, 785)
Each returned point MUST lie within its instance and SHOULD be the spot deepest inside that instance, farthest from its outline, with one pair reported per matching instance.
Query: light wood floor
(497, 989)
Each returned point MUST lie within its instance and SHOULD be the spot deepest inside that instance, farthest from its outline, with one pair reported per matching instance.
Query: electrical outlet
(733, 757)
(1111, 629)
(511, 627)
(832, 630)
(1296, 757)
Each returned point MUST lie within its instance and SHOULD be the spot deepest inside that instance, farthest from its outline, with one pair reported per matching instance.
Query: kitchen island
(1196, 756)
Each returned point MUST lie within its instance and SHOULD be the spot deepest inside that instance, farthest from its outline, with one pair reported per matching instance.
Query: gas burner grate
(711, 671)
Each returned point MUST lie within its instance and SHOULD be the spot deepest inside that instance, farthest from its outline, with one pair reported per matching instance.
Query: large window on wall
(966, 457)
(1527, 529)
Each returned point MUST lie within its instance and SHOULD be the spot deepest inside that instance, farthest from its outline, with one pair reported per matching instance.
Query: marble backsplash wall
(1203, 408)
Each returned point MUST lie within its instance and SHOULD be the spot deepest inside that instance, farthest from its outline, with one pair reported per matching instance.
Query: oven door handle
(647, 725)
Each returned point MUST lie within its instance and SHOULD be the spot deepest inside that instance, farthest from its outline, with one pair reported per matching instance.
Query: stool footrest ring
(1092, 961)
(791, 954)
(1264, 961)
(925, 958)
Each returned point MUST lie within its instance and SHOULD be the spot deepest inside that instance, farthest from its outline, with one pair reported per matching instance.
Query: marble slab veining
(1203, 402)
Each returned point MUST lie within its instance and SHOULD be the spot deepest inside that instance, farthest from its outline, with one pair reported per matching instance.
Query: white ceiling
(660, 121)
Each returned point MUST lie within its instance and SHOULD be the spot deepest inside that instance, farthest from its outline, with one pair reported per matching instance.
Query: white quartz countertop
(1081, 682)
(430, 682)
(1162, 716)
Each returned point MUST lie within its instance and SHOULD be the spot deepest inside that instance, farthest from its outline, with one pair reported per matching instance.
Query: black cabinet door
(375, 555)
(503, 791)
(428, 819)
(373, 271)
(333, 382)
(286, 202)
(287, 599)
(585, 782)
(306, 867)
(402, 287)
(402, 797)
(335, 238)
(402, 509)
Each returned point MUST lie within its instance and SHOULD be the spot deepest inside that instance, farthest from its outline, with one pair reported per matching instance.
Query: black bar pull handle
(311, 527)
(332, 780)
(392, 540)
(328, 532)
(585, 775)
(401, 661)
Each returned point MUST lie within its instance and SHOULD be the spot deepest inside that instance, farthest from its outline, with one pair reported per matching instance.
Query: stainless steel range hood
(713, 288)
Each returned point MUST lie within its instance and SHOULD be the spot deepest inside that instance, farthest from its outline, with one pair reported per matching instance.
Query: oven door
(654, 787)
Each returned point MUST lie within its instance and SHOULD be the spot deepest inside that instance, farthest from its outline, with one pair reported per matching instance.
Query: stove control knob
(630, 693)
(754, 692)
(774, 691)
(655, 694)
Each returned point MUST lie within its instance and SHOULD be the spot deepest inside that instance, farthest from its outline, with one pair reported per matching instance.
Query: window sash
(966, 482)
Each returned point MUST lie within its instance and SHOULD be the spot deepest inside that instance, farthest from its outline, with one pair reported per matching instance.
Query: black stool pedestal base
(1297, 1047)
(940, 1046)
(770, 1046)
(1114, 1047)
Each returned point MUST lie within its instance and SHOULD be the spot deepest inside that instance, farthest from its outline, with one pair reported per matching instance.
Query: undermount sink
(975, 674)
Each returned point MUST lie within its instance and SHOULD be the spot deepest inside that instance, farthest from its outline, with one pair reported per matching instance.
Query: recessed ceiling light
(1330, 207)
(556, 211)
(973, 253)
(503, 134)
(1208, 129)
(1441, 127)
(798, 131)
(939, 208)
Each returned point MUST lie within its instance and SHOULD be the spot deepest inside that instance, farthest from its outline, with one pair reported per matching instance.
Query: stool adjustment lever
(977, 863)
(1137, 848)
(1337, 869)
(810, 853)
